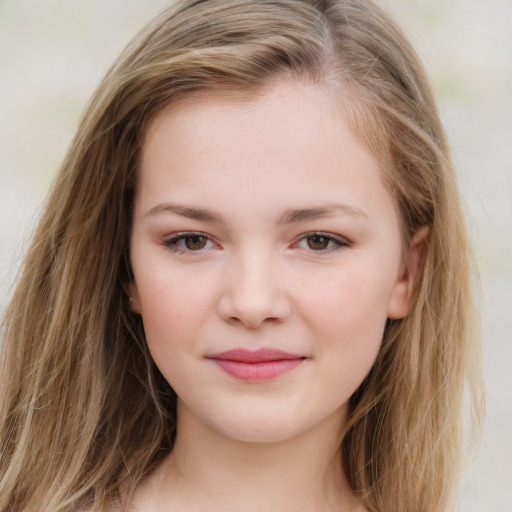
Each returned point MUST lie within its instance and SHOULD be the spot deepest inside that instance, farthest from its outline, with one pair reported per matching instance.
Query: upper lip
(254, 356)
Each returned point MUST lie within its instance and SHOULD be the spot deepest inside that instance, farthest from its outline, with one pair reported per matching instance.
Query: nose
(254, 292)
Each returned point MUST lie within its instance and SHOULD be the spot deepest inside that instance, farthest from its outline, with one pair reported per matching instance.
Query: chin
(261, 429)
(258, 435)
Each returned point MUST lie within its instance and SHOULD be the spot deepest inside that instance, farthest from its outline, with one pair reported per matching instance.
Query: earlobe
(134, 297)
(402, 295)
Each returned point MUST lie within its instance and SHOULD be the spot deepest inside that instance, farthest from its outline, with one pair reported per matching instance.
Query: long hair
(84, 412)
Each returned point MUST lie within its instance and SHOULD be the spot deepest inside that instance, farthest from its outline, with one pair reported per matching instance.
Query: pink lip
(256, 365)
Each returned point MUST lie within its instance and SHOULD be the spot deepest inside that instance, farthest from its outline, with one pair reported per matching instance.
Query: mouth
(256, 365)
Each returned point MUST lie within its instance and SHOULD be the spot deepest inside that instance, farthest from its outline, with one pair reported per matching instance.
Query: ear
(402, 295)
(134, 297)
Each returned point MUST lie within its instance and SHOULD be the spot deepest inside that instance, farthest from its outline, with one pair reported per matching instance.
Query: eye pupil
(318, 242)
(195, 242)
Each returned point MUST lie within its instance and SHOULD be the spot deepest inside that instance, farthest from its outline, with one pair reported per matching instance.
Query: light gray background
(53, 53)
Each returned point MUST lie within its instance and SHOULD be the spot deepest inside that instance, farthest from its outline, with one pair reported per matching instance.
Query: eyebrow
(289, 216)
(292, 216)
(190, 212)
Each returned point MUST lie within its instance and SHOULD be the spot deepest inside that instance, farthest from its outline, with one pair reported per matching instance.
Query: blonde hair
(84, 412)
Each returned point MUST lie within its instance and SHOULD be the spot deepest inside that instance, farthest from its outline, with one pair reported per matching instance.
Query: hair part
(84, 412)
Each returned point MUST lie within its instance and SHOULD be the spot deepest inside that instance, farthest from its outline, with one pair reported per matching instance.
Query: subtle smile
(256, 365)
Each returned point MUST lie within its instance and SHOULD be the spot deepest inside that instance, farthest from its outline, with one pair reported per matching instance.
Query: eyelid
(338, 239)
(170, 241)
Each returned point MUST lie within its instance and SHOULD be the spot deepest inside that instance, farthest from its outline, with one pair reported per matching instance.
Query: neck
(206, 467)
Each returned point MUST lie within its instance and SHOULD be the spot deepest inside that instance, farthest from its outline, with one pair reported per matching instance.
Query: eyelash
(171, 242)
(339, 241)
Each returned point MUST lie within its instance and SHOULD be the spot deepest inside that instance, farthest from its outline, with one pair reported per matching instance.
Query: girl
(251, 288)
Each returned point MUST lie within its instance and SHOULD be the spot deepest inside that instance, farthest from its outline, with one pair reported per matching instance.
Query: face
(267, 256)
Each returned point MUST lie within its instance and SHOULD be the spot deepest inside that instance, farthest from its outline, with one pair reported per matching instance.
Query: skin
(259, 274)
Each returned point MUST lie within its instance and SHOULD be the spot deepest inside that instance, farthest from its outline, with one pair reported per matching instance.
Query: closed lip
(261, 355)
(256, 365)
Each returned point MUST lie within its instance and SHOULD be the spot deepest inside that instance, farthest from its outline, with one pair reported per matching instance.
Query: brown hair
(84, 412)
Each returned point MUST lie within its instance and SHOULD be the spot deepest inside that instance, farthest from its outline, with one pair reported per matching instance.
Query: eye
(321, 242)
(188, 242)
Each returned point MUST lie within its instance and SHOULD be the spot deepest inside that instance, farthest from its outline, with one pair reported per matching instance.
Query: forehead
(339, 99)
(290, 143)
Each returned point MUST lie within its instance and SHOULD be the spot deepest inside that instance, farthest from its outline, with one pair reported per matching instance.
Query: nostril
(252, 313)
(253, 321)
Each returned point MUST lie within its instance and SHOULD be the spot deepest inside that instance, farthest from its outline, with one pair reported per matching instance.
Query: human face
(259, 227)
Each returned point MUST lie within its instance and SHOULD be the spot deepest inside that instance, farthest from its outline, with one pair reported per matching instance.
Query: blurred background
(54, 52)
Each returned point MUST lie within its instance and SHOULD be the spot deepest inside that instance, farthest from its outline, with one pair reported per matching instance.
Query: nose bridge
(254, 287)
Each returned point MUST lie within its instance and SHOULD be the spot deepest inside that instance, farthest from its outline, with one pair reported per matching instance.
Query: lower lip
(257, 371)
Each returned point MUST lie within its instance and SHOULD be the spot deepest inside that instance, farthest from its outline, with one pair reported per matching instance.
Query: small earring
(131, 298)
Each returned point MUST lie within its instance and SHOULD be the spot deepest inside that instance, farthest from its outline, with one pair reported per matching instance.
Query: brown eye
(195, 242)
(189, 242)
(318, 242)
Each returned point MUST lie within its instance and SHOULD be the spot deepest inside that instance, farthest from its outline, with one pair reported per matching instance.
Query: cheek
(348, 313)
(346, 299)
(174, 307)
